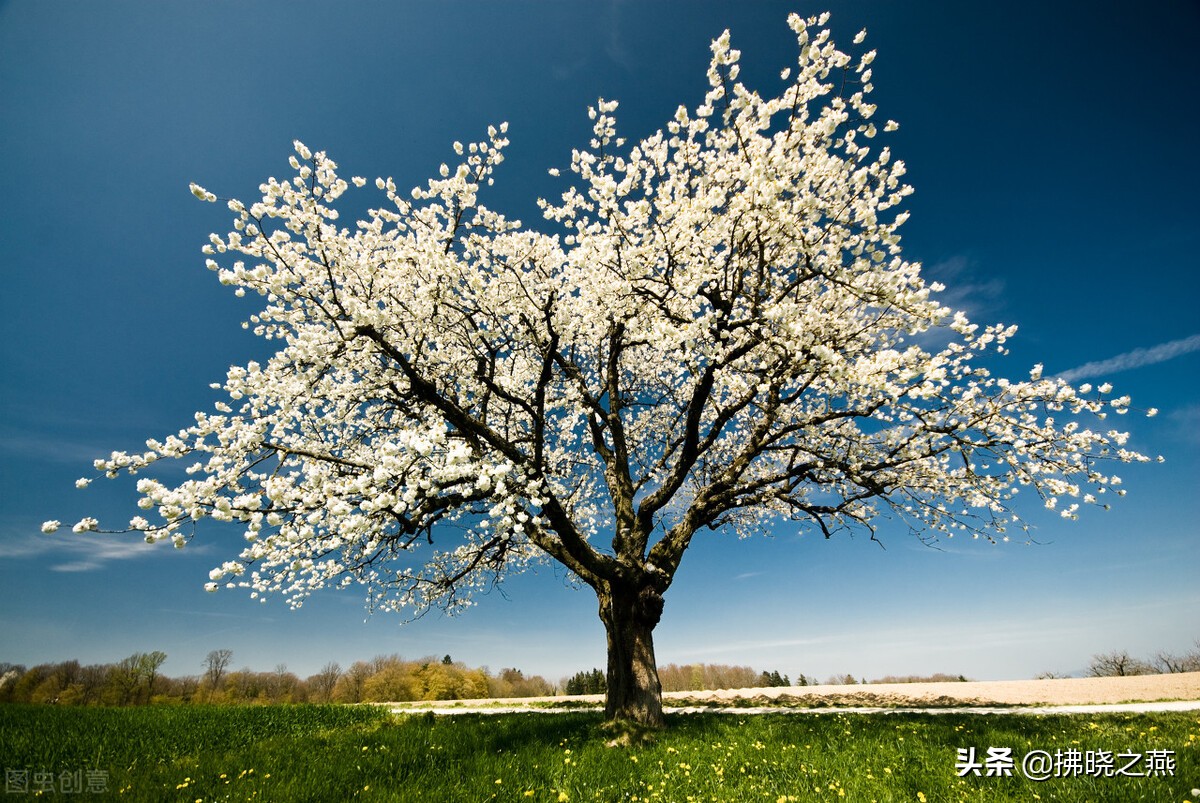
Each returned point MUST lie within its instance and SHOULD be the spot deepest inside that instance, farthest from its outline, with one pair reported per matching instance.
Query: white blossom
(201, 193)
(86, 524)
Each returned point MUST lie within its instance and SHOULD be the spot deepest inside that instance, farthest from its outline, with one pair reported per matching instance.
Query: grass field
(332, 753)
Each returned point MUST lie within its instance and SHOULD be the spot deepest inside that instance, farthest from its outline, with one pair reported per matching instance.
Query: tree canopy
(713, 329)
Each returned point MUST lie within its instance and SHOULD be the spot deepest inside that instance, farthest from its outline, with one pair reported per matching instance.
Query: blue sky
(1053, 151)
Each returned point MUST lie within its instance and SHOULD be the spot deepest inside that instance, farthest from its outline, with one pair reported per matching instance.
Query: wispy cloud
(1133, 359)
(52, 448)
(77, 553)
(964, 291)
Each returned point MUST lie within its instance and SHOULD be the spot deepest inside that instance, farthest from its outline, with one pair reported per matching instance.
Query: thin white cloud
(78, 553)
(963, 290)
(1133, 359)
(54, 449)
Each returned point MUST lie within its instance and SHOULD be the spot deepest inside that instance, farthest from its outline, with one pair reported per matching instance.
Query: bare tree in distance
(321, 685)
(715, 331)
(149, 664)
(215, 665)
(1117, 664)
(1172, 663)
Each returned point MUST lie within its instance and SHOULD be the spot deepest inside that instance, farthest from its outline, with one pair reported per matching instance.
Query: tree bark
(629, 614)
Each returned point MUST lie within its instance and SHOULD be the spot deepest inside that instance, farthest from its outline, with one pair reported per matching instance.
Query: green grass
(330, 753)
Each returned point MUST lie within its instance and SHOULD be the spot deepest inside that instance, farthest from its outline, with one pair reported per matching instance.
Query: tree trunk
(629, 615)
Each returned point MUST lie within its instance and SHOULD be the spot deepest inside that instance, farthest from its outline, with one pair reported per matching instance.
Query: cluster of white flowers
(720, 331)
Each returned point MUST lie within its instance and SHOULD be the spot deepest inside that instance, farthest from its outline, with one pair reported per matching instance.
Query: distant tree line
(705, 677)
(689, 677)
(131, 681)
(702, 677)
(394, 679)
(136, 681)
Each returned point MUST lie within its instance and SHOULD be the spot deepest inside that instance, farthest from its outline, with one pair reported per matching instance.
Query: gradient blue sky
(1053, 147)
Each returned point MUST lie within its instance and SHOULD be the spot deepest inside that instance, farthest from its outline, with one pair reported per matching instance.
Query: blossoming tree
(715, 330)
